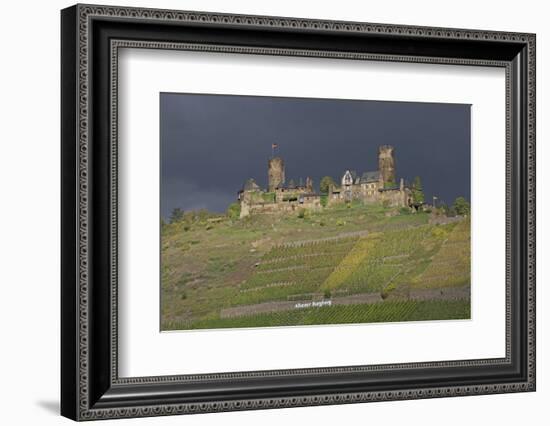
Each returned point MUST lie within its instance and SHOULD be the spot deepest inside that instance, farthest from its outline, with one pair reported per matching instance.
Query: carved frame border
(85, 13)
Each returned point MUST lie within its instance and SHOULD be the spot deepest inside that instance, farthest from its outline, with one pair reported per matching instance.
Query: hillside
(344, 264)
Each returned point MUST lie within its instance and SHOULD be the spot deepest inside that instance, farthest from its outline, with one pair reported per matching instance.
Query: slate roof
(370, 177)
(250, 185)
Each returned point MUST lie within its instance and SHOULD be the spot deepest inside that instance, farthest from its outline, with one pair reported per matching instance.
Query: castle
(370, 187)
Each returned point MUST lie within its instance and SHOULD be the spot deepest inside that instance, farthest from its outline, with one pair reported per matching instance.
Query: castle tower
(386, 163)
(275, 173)
(309, 185)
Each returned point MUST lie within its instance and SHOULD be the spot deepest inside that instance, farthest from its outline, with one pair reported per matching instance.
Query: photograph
(280, 211)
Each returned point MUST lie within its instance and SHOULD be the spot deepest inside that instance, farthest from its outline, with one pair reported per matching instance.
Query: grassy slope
(208, 266)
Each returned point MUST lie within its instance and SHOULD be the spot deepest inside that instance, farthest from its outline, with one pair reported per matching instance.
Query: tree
(234, 211)
(325, 184)
(461, 206)
(417, 191)
(177, 215)
(447, 211)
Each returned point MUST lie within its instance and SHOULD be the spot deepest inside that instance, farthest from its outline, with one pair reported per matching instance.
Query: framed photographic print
(263, 212)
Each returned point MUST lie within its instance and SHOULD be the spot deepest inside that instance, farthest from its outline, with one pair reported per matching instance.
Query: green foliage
(324, 200)
(325, 184)
(404, 210)
(448, 211)
(256, 196)
(387, 291)
(177, 215)
(417, 191)
(302, 213)
(327, 294)
(451, 212)
(234, 211)
(461, 206)
(390, 184)
(268, 197)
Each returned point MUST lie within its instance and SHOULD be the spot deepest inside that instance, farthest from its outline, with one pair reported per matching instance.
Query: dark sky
(210, 144)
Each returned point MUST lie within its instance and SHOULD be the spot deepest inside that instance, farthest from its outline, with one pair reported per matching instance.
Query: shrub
(390, 184)
(234, 211)
(268, 197)
(302, 213)
(461, 206)
(417, 191)
(340, 222)
(404, 210)
(451, 212)
(386, 291)
(177, 215)
(325, 184)
(327, 294)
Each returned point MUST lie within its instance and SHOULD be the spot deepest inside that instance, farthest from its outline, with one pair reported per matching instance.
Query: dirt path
(452, 293)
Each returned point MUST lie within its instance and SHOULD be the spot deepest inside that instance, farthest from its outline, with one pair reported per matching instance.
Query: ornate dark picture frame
(90, 385)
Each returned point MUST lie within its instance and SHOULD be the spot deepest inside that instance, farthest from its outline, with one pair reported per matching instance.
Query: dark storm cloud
(210, 144)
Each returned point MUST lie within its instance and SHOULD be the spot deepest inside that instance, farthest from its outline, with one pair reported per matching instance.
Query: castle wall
(245, 209)
(395, 197)
(309, 203)
(281, 194)
(371, 194)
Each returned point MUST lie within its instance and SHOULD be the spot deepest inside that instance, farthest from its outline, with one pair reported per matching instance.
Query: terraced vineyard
(259, 270)
(352, 314)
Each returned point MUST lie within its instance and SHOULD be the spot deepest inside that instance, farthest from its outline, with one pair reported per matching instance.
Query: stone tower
(275, 173)
(386, 164)
(309, 185)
